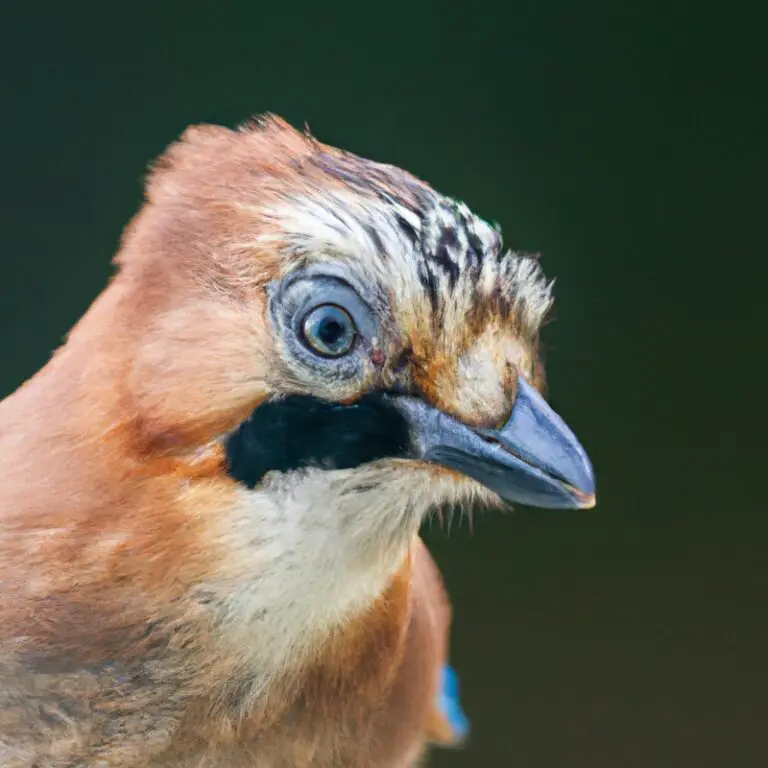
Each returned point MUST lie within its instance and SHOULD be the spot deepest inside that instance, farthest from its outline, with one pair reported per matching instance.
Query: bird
(212, 492)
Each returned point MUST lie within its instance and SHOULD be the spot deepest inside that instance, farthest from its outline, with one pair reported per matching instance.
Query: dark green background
(626, 142)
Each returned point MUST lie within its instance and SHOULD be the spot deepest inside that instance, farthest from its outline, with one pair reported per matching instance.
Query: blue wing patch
(448, 703)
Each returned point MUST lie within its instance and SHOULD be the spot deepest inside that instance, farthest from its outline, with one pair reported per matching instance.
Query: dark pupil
(330, 331)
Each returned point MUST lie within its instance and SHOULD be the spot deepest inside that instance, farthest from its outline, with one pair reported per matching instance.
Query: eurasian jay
(211, 495)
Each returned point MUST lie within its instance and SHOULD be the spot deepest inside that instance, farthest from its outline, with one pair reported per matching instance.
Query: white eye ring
(329, 331)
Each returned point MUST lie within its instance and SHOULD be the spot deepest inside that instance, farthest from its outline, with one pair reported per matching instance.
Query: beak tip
(586, 500)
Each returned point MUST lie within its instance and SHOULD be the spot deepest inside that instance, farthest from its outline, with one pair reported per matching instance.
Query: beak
(534, 459)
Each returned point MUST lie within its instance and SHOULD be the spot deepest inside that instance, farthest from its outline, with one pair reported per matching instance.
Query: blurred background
(624, 141)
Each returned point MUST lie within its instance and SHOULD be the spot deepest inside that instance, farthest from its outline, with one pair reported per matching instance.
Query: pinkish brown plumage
(188, 583)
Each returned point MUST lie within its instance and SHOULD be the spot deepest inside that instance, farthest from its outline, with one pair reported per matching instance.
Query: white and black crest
(386, 218)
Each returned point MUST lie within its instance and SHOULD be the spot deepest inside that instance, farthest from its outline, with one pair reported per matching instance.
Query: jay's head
(352, 347)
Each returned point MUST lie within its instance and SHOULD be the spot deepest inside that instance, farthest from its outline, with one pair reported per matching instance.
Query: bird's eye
(329, 331)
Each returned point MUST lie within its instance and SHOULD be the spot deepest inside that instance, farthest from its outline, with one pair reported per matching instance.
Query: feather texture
(188, 578)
